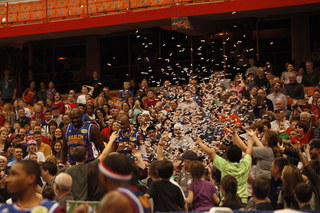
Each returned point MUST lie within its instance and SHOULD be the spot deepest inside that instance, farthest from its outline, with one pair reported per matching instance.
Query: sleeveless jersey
(45, 206)
(139, 203)
(80, 137)
(29, 95)
(126, 144)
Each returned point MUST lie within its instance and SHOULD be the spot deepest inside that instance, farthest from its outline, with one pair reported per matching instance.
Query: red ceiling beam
(237, 5)
(89, 22)
(147, 15)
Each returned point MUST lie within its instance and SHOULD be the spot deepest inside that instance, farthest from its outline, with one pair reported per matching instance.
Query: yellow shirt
(45, 149)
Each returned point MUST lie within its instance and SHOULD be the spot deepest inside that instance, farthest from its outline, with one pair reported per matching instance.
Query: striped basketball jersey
(139, 203)
(126, 144)
(80, 137)
(44, 206)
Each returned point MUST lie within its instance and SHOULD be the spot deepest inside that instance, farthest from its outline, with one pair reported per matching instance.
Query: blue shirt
(123, 91)
(7, 86)
(49, 205)
(213, 134)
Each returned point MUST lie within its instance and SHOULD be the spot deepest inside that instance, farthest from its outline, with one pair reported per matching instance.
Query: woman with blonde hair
(3, 140)
(99, 102)
(290, 177)
(9, 114)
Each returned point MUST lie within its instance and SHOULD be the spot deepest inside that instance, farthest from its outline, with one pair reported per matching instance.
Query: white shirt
(275, 125)
(82, 99)
(26, 111)
(40, 156)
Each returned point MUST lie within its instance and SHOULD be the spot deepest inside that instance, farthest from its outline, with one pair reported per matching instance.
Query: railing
(49, 10)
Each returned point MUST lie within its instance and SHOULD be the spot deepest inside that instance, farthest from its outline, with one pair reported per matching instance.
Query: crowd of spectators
(248, 143)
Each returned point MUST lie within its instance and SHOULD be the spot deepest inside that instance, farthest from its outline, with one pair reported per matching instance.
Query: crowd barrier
(71, 205)
(47, 10)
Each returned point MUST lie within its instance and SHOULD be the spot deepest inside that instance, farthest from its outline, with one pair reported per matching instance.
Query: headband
(113, 175)
(3, 158)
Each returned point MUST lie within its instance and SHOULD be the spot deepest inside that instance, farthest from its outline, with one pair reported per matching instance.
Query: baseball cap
(306, 106)
(32, 142)
(315, 143)
(16, 135)
(11, 144)
(145, 113)
(189, 155)
(53, 108)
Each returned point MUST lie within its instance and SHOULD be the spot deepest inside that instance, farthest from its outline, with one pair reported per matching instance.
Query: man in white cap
(32, 149)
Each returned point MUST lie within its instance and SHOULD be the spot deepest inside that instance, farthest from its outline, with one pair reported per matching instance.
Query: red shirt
(2, 120)
(29, 95)
(60, 105)
(233, 118)
(148, 103)
(42, 116)
(106, 132)
(305, 139)
(70, 106)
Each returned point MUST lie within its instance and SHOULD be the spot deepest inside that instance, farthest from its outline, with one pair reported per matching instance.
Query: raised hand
(114, 136)
(136, 153)
(297, 146)
(251, 132)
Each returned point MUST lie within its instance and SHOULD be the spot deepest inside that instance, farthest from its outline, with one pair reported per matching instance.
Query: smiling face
(32, 148)
(3, 136)
(76, 118)
(309, 67)
(254, 102)
(58, 133)
(57, 147)
(57, 97)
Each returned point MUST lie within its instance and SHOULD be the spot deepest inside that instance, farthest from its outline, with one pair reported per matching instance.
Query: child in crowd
(51, 91)
(303, 195)
(29, 94)
(126, 88)
(84, 91)
(167, 197)
(22, 105)
(201, 193)
(44, 124)
(261, 186)
(228, 189)
(282, 131)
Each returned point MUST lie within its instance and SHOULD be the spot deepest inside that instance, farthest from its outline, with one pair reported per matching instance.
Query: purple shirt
(202, 195)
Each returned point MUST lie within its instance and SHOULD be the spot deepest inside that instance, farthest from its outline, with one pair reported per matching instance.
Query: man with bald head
(62, 189)
(280, 104)
(310, 77)
(295, 90)
(80, 133)
(128, 138)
